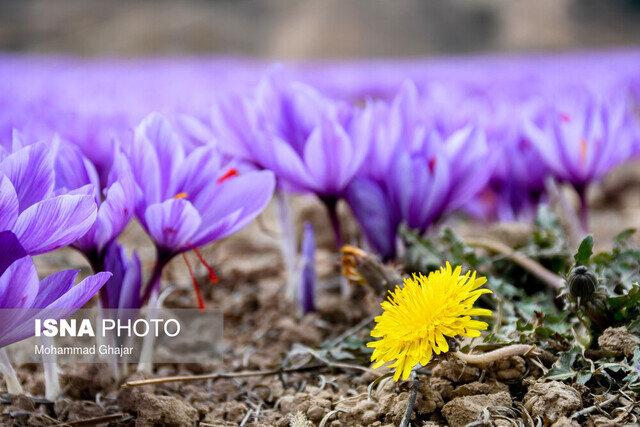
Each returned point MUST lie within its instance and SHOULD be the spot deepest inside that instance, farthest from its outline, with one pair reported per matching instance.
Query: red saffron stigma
(432, 164)
(213, 277)
(196, 287)
(228, 174)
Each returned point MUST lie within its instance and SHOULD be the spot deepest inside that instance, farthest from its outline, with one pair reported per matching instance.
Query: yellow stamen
(583, 151)
(181, 195)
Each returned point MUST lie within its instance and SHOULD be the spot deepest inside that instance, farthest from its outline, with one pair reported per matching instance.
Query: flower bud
(582, 282)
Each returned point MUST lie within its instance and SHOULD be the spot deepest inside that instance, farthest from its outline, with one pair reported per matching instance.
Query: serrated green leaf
(585, 250)
(562, 369)
(623, 237)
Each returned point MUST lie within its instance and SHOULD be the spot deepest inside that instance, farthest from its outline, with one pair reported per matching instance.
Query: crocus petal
(157, 130)
(244, 197)
(54, 286)
(19, 284)
(544, 145)
(197, 172)
(12, 250)
(115, 262)
(18, 290)
(145, 168)
(30, 169)
(114, 214)
(233, 121)
(375, 214)
(76, 297)
(73, 170)
(279, 156)
(130, 291)
(172, 223)
(73, 299)
(54, 223)
(328, 154)
(123, 289)
(8, 204)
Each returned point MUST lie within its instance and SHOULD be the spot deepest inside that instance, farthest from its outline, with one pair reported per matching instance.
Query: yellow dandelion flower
(417, 318)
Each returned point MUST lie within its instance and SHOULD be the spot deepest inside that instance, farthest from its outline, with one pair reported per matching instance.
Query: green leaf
(563, 368)
(623, 237)
(583, 377)
(585, 250)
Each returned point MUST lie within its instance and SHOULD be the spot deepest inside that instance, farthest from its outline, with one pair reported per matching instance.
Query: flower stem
(583, 211)
(145, 363)
(287, 244)
(415, 387)
(153, 285)
(9, 374)
(52, 389)
(331, 203)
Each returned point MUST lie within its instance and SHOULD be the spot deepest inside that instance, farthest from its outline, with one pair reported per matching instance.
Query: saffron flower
(290, 128)
(189, 199)
(42, 219)
(418, 318)
(74, 172)
(581, 139)
(54, 295)
(309, 141)
(423, 184)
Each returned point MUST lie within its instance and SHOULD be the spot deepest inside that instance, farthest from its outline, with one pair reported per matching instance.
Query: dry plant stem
(52, 389)
(549, 278)
(93, 421)
(346, 334)
(221, 375)
(495, 355)
(327, 417)
(590, 409)
(9, 374)
(287, 244)
(415, 386)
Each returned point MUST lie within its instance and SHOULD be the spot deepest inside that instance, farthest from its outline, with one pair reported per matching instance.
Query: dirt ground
(262, 328)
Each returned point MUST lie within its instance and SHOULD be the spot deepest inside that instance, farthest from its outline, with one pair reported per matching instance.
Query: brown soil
(260, 330)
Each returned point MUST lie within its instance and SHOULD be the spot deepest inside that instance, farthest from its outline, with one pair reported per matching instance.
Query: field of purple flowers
(296, 198)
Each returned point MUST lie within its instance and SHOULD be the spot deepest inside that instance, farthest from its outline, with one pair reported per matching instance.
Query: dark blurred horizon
(315, 29)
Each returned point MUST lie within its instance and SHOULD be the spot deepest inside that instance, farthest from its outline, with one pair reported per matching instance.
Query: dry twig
(549, 278)
(219, 375)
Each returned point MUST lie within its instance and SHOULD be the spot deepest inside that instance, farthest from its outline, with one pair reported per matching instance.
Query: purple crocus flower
(189, 199)
(73, 171)
(424, 183)
(124, 288)
(581, 139)
(308, 277)
(41, 219)
(309, 141)
(55, 294)
(292, 129)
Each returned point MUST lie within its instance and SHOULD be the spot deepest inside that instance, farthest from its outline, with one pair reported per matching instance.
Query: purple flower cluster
(410, 143)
